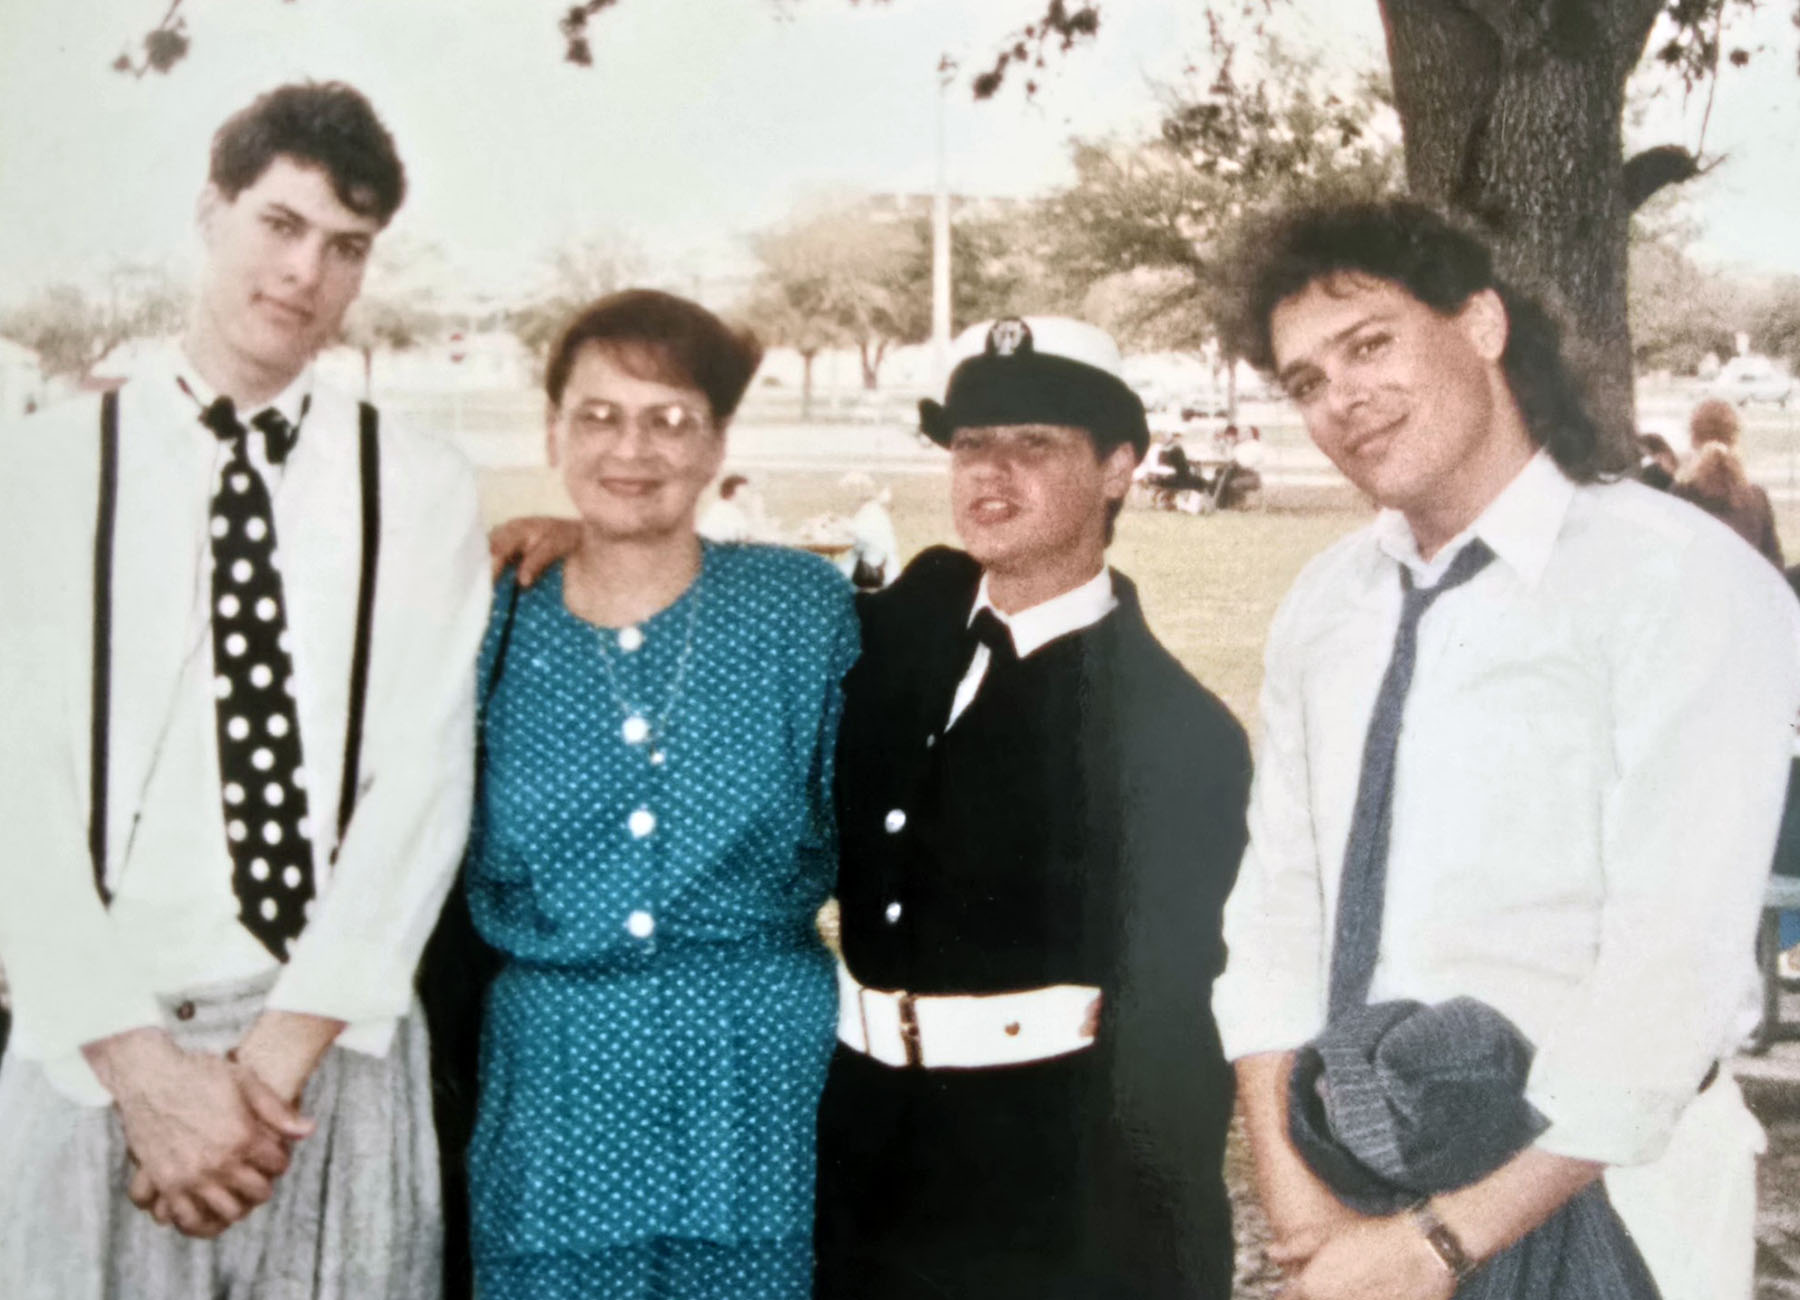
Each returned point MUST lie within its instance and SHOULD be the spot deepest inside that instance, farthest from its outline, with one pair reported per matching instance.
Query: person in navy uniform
(1041, 814)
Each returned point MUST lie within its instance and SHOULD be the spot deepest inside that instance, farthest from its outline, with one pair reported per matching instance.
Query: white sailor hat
(1038, 370)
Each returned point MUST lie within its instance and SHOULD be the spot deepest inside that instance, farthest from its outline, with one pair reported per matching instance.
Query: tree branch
(1656, 169)
(1061, 24)
(165, 45)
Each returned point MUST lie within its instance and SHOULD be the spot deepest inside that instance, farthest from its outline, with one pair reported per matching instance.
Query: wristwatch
(1445, 1243)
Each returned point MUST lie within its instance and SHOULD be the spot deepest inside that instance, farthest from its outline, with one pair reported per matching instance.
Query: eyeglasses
(667, 424)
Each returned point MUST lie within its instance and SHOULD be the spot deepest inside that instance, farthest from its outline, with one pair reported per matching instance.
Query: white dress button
(630, 639)
(931, 740)
(636, 730)
(893, 913)
(640, 924)
(641, 823)
(895, 821)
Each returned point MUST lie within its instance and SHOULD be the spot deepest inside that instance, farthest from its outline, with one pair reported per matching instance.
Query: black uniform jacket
(1081, 823)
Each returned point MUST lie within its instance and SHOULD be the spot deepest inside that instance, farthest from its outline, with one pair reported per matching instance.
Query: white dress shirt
(1589, 776)
(173, 907)
(1037, 626)
(81, 971)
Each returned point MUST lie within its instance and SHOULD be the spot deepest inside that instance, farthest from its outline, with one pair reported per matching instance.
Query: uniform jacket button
(895, 821)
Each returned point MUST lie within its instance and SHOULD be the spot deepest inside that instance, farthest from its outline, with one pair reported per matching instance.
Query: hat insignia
(1008, 337)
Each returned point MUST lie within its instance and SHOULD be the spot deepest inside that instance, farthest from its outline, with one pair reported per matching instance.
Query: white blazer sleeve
(355, 961)
(71, 982)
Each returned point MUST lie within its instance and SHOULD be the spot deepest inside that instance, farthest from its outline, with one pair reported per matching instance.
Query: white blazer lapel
(161, 586)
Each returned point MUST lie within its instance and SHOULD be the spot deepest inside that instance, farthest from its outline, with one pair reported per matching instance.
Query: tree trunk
(806, 364)
(368, 356)
(870, 353)
(1512, 114)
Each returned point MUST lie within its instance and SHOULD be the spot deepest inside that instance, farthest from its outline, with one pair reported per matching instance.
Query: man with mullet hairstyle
(238, 610)
(1525, 740)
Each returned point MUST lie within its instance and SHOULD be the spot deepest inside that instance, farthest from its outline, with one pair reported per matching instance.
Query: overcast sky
(699, 121)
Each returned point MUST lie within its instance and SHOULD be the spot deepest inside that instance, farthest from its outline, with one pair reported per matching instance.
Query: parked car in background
(1752, 378)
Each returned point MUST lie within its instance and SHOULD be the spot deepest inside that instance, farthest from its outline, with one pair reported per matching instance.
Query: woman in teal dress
(653, 840)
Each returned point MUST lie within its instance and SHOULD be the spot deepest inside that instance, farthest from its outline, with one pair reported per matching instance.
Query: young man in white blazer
(238, 608)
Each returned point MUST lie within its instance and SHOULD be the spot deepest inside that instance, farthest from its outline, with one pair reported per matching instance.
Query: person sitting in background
(1243, 475)
(1657, 462)
(874, 555)
(726, 520)
(1178, 473)
(1714, 479)
(653, 838)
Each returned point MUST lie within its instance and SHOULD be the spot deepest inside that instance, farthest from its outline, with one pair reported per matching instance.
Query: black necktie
(263, 779)
(1362, 891)
(988, 630)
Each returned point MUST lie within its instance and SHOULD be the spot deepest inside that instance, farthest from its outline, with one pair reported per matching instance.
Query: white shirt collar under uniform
(1036, 627)
(1043, 622)
(1520, 526)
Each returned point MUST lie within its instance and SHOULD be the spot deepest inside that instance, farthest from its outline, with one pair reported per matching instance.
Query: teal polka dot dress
(652, 842)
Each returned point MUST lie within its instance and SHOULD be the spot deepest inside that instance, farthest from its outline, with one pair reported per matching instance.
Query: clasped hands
(209, 1135)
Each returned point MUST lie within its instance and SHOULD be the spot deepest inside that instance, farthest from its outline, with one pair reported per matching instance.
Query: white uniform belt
(963, 1031)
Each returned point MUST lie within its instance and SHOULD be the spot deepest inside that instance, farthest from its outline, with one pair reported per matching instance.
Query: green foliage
(577, 274)
(857, 273)
(1679, 312)
(1773, 319)
(1229, 146)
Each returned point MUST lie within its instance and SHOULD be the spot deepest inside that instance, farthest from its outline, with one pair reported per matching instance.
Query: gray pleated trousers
(356, 1216)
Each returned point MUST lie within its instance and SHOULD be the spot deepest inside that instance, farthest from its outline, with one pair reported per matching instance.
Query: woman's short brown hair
(656, 335)
(1713, 421)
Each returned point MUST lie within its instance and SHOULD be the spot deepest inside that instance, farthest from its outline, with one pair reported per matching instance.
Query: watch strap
(1444, 1243)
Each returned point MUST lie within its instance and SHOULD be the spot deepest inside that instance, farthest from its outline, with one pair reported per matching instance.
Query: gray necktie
(1363, 889)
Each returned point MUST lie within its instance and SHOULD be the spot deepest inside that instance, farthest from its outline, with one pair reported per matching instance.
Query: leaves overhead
(1694, 47)
(1242, 140)
(1061, 27)
(164, 45)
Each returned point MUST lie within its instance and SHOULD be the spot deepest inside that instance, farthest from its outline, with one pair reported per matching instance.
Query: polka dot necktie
(264, 783)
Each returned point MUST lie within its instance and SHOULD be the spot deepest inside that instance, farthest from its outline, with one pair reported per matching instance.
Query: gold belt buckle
(909, 1031)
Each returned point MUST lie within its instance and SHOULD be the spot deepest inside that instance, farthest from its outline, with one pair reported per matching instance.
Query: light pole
(940, 243)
